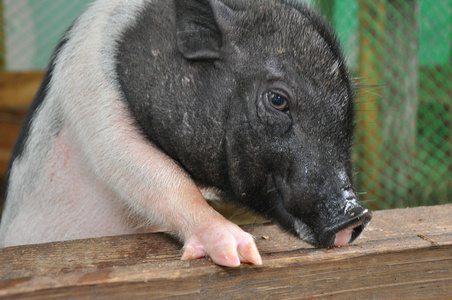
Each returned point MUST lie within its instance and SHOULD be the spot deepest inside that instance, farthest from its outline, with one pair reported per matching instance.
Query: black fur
(199, 99)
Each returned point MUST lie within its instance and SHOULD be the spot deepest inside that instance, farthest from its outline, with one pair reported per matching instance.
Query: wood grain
(391, 259)
(18, 89)
(16, 93)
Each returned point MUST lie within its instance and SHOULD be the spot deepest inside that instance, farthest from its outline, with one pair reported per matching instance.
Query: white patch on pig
(350, 204)
(348, 195)
(343, 177)
(90, 45)
(304, 231)
(335, 68)
(212, 194)
(273, 69)
(116, 173)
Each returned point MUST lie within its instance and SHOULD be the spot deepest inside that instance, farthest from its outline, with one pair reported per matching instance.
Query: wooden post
(371, 17)
(404, 253)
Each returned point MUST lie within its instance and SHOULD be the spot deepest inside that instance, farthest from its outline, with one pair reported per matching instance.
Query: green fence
(399, 52)
(32, 28)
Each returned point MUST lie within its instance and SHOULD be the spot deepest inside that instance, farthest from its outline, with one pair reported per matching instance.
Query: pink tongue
(343, 236)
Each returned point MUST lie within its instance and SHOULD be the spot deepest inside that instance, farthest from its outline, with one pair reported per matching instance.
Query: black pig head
(253, 98)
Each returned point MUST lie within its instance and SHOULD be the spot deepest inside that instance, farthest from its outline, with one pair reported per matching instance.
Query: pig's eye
(277, 101)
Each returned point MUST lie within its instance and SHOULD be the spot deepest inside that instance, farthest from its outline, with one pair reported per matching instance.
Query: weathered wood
(18, 89)
(16, 93)
(10, 123)
(403, 253)
(371, 17)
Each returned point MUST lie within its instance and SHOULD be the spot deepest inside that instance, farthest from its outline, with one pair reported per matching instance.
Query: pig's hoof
(226, 248)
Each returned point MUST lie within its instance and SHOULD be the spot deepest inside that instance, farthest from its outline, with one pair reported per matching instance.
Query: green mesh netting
(399, 52)
(33, 28)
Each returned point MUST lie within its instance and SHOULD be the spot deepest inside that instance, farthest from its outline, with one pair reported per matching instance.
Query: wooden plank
(404, 253)
(18, 89)
(10, 123)
(16, 93)
(371, 17)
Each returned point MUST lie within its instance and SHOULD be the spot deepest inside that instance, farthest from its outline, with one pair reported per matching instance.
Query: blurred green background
(399, 53)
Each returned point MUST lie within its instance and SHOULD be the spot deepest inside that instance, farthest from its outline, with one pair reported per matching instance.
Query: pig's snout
(345, 232)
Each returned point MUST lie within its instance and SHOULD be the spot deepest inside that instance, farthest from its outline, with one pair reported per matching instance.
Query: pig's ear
(200, 25)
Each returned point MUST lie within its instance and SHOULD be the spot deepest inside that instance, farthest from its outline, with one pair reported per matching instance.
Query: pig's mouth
(334, 236)
(345, 232)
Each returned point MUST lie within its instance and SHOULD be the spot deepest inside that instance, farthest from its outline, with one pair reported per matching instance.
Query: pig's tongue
(344, 236)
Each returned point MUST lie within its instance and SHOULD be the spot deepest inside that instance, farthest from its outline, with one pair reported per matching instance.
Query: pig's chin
(304, 232)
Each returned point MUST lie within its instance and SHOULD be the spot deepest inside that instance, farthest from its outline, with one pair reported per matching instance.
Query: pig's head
(264, 112)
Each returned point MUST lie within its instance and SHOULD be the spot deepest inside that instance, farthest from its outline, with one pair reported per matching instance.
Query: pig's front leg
(154, 187)
(186, 213)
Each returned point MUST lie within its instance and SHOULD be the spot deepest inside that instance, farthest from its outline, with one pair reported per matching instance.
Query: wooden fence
(404, 253)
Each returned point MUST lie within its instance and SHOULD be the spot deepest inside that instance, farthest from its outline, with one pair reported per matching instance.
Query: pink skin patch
(343, 237)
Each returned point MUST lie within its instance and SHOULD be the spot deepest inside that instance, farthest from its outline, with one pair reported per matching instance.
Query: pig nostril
(347, 235)
(356, 232)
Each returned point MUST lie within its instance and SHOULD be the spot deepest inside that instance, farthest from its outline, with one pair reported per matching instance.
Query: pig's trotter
(224, 242)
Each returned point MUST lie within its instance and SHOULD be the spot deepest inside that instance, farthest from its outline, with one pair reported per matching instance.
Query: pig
(148, 105)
